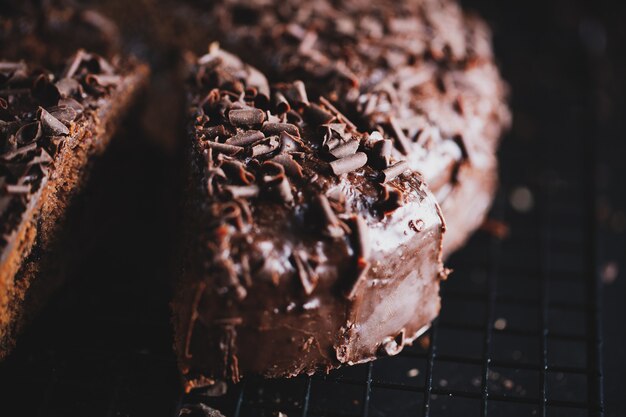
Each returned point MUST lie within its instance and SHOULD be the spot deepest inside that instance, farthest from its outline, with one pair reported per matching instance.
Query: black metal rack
(520, 330)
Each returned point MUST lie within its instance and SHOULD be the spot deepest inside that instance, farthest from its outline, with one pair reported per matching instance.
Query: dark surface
(104, 348)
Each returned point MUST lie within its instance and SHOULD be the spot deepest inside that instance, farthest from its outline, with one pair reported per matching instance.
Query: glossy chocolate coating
(307, 269)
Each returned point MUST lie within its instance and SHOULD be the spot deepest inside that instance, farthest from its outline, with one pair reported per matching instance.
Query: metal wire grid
(533, 351)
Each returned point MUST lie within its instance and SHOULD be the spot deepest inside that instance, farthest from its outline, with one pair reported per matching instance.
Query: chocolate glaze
(51, 124)
(299, 269)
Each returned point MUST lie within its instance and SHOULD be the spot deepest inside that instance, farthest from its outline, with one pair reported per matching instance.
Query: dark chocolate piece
(349, 163)
(246, 117)
(393, 171)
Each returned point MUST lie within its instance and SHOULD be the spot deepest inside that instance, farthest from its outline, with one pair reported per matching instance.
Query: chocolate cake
(52, 125)
(311, 244)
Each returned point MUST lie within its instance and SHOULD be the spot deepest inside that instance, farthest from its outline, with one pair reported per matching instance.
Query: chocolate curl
(27, 134)
(242, 191)
(306, 274)
(404, 145)
(381, 151)
(362, 268)
(280, 103)
(345, 149)
(289, 143)
(246, 117)
(393, 171)
(332, 225)
(270, 129)
(324, 101)
(295, 92)
(315, 115)
(266, 146)
(236, 170)
(390, 199)
(360, 236)
(51, 125)
(275, 178)
(224, 148)
(292, 168)
(17, 188)
(229, 213)
(245, 138)
(64, 114)
(214, 132)
(349, 163)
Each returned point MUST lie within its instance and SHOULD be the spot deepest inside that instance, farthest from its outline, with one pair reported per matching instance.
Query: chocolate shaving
(214, 131)
(277, 128)
(68, 87)
(391, 199)
(242, 191)
(331, 223)
(17, 189)
(103, 80)
(246, 117)
(245, 138)
(51, 125)
(232, 321)
(45, 92)
(280, 103)
(306, 274)
(28, 133)
(362, 268)
(316, 115)
(284, 191)
(360, 236)
(224, 148)
(292, 168)
(393, 171)
(64, 114)
(337, 113)
(349, 163)
(70, 102)
(382, 152)
(237, 170)
(273, 172)
(404, 145)
(267, 146)
(345, 149)
(289, 143)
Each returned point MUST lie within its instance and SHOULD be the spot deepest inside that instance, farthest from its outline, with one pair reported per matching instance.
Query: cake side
(300, 225)
(51, 129)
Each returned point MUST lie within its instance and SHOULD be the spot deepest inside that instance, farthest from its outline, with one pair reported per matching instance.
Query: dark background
(103, 346)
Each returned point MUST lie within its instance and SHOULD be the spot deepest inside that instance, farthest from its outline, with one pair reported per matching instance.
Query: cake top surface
(290, 183)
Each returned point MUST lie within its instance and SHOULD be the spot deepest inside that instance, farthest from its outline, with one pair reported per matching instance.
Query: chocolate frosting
(51, 123)
(307, 248)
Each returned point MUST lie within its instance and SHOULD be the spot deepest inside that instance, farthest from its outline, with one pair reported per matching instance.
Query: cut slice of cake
(52, 125)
